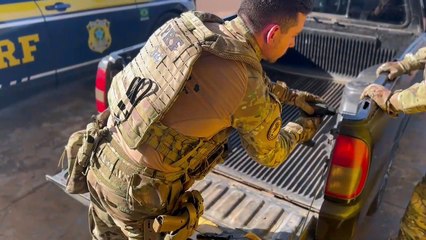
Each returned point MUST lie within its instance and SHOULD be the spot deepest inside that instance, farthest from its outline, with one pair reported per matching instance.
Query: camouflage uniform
(413, 224)
(411, 100)
(126, 193)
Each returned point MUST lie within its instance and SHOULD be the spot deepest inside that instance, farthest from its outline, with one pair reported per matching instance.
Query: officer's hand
(303, 100)
(380, 95)
(310, 126)
(393, 69)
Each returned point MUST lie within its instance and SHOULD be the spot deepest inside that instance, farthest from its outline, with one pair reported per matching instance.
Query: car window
(386, 11)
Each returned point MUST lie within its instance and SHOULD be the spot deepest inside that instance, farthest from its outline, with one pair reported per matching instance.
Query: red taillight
(349, 168)
(100, 90)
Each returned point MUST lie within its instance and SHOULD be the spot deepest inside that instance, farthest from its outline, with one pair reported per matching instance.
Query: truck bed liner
(235, 206)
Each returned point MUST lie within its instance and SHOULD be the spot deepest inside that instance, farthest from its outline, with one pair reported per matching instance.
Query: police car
(45, 43)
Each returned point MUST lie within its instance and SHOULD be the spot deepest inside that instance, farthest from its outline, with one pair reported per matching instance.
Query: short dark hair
(260, 13)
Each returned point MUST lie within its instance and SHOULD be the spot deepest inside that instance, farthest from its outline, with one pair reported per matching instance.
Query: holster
(184, 220)
(79, 151)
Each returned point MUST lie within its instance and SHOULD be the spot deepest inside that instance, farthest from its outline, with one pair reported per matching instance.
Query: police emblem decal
(99, 35)
(275, 128)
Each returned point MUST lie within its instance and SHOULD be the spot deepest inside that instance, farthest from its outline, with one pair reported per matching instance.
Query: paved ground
(34, 132)
(33, 135)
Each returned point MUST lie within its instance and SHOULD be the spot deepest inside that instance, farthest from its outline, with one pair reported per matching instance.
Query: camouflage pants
(413, 224)
(112, 216)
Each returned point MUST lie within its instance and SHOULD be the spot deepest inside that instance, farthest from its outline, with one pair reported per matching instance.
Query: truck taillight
(100, 90)
(349, 168)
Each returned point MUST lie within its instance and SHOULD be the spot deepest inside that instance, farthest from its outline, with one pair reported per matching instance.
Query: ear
(271, 33)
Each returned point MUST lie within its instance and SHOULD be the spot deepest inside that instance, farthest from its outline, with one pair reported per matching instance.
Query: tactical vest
(148, 86)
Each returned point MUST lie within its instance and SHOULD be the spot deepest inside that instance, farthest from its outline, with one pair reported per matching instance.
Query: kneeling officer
(172, 109)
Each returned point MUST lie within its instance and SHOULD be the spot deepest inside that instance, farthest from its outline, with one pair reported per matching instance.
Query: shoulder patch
(275, 128)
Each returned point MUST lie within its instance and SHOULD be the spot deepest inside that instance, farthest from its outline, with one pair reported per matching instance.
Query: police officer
(411, 100)
(173, 106)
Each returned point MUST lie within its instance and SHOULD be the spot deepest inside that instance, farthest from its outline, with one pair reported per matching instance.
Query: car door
(25, 56)
(84, 31)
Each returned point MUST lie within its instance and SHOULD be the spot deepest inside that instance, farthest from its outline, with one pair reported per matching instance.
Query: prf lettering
(171, 39)
(7, 51)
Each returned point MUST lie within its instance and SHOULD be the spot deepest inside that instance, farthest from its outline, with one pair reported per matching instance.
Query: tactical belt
(114, 169)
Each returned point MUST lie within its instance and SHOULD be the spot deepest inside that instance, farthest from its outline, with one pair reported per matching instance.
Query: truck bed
(300, 179)
(273, 203)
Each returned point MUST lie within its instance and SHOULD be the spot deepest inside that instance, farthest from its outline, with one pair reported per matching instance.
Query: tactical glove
(409, 63)
(393, 69)
(383, 97)
(300, 99)
(304, 128)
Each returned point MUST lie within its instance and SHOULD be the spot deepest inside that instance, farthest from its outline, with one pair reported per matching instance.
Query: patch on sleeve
(275, 128)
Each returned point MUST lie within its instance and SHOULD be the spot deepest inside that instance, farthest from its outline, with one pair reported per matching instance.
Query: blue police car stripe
(61, 16)
(78, 65)
(128, 49)
(18, 23)
(107, 10)
(40, 75)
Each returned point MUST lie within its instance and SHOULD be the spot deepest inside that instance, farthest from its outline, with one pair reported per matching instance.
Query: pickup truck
(323, 191)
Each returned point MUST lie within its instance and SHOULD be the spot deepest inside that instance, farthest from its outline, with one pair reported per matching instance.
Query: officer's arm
(415, 61)
(258, 121)
(411, 100)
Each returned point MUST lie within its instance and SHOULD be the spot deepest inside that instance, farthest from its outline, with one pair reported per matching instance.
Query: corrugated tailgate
(235, 206)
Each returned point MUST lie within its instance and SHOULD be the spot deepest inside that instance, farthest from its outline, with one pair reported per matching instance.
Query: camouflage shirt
(258, 117)
(224, 93)
(413, 99)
